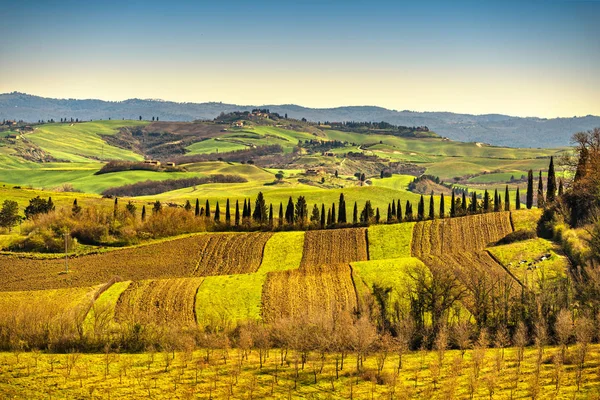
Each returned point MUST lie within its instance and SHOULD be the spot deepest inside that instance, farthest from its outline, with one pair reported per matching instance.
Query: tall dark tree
(323, 216)
(389, 213)
(518, 200)
(342, 210)
(227, 213)
(551, 188)
(431, 207)
(245, 211)
(421, 209)
(529, 202)
(301, 210)
(506, 199)
(197, 211)
(289, 212)
(116, 207)
(486, 201)
(355, 214)
(333, 213)
(453, 205)
(560, 188)
(249, 209)
(463, 204)
(271, 215)
(328, 216)
(217, 212)
(473, 203)
(377, 215)
(399, 211)
(280, 213)
(237, 213)
(540, 192)
(408, 212)
(315, 215)
(207, 209)
(442, 207)
(393, 210)
(260, 209)
(367, 213)
(143, 213)
(496, 201)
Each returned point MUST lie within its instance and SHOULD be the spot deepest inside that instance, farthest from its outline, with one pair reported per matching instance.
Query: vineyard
(160, 301)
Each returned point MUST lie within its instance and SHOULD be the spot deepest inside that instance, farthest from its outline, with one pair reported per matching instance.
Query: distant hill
(495, 129)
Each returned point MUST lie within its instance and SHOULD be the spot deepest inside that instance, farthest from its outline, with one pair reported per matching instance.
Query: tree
(431, 207)
(393, 210)
(377, 215)
(237, 213)
(188, 206)
(367, 213)
(271, 215)
(249, 209)
(9, 214)
(322, 216)
(197, 211)
(355, 214)
(260, 209)
(560, 188)
(143, 213)
(217, 212)
(399, 211)
(157, 207)
(421, 209)
(551, 187)
(442, 207)
(342, 210)
(333, 213)
(280, 222)
(301, 210)
(486, 201)
(227, 213)
(315, 216)
(207, 209)
(540, 193)
(37, 206)
(289, 211)
(131, 208)
(453, 205)
(408, 213)
(506, 199)
(463, 204)
(76, 209)
(529, 202)
(116, 207)
(389, 213)
(474, 203)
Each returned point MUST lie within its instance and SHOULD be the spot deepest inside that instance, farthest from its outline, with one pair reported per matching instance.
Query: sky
(525, 58)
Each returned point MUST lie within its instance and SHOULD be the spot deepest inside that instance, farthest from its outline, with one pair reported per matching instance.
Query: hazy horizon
(536, 58)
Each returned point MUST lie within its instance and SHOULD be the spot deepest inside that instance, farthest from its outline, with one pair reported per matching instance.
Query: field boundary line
(195, 301)
(506, 269)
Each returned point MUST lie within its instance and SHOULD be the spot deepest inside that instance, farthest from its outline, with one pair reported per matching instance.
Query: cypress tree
(431, 207)
(323, 216)
(116, 207)
(249, 209)
(506, 199)
(529, 189)
(551, 187)
(517, 200)
(217, 213)
(207, 209)
(560, 188)
(329, 217)
(355, 214)
(486, 201)
(245, 210)
(442, 207)
(237, 213)
(260, 209)
(377, 215)
(393, 209)
(289, 212)
(473, 203)
(188, 206)
(389, 213)
(496, 201)
(463, 204)
(540, 193)
(342, 210)
(227, 213)
(399, 212)
(271, 215)
(280, 213)
(333, 213)
(408, 216)
(453, 205)
(197, 212)
(143, 213)
(421, 209)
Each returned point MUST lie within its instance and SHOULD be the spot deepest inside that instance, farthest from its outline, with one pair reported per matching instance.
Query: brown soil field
(160, 301)
(336, 246)
(198, 255)
(308, 294)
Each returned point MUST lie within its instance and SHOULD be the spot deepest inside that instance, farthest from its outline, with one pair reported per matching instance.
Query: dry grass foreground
(198, 255)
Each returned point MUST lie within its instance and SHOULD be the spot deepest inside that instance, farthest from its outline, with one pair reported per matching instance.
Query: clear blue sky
(537, 58)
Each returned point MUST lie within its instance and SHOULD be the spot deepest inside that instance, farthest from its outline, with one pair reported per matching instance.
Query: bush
(517, 236)
(149, 187)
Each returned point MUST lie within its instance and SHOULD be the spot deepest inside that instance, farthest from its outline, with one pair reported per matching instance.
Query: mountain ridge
(495, 129)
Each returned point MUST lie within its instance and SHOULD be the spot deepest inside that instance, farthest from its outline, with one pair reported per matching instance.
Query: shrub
(517, 236)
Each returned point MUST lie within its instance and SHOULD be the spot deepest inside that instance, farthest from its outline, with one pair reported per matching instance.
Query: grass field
(189, 375)
(390, 241)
